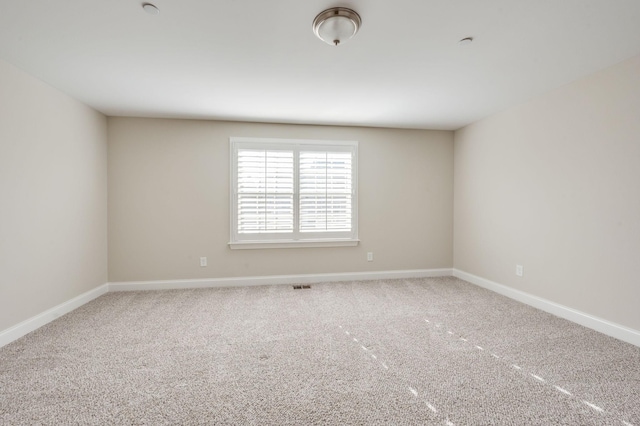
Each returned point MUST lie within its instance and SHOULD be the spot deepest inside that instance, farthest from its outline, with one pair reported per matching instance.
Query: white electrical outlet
(519, 270)
(370, 256)
(203, 261)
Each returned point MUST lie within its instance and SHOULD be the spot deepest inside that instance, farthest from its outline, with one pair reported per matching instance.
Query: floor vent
(301, 287)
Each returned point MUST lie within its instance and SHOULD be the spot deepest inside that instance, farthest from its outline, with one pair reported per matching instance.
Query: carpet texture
(432, 351)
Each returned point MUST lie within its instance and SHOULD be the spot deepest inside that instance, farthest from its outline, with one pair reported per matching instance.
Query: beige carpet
(434, 351)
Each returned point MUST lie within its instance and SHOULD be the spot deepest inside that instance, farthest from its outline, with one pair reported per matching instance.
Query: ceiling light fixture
(336, 25)
(150, 9)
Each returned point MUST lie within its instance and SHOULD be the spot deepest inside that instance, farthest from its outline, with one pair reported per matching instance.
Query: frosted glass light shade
(150, 9)
(337, 25)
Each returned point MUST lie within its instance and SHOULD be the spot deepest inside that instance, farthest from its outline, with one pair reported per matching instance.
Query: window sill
(249, 245)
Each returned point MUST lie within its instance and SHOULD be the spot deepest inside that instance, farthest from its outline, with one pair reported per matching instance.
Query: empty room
(298, 213)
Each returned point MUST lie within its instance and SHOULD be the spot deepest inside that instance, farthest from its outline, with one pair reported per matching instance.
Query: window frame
(296, 238)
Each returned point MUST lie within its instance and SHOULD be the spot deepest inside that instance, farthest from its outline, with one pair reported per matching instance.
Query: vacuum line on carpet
(563, 391)
(542, 380)
(537, 377)
(430, 406)
(411, 389)
(366, 349)
(595, 407)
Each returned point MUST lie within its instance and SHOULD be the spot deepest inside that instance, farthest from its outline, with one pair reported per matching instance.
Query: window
(294, 193)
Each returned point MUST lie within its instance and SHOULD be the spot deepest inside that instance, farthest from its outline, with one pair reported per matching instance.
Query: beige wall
(53, 194)
(554, 185)
(169, 201)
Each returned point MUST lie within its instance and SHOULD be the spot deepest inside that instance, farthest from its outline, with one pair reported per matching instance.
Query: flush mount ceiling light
(336, 25)
(150, 9)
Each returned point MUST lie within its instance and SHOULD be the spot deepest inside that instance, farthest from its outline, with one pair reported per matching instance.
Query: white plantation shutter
(325, 191)
(286, 192)
(265, 191)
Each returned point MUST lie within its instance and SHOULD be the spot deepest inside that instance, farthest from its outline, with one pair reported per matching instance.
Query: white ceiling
(257, 60)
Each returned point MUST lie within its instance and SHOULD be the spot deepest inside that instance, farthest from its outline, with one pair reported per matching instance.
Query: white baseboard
(276, 279)
(27, 326)
(598, 324)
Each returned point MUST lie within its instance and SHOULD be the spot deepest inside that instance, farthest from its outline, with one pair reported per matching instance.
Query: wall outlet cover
(519, 270)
